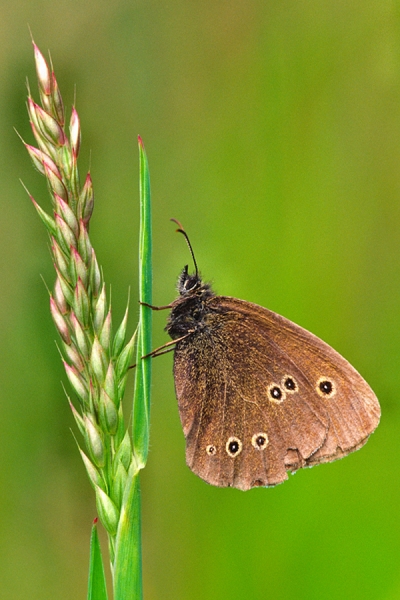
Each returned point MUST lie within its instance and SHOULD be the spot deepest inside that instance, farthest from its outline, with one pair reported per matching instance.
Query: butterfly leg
(161, 349)
(168, 345)
(157, 352)
(155, 307)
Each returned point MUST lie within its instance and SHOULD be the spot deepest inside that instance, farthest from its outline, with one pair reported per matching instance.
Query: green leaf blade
(128, 556)
(97, 589)
(141, 418)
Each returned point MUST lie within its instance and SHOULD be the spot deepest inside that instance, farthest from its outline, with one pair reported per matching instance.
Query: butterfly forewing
(259, 396)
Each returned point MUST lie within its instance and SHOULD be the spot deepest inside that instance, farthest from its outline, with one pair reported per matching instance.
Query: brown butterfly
(258, 395)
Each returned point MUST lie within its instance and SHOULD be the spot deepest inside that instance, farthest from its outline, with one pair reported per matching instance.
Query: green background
(273, 133)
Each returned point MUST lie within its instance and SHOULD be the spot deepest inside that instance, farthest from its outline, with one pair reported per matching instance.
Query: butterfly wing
(259, 396)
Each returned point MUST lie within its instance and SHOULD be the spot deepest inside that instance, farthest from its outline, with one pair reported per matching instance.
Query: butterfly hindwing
(259, 396)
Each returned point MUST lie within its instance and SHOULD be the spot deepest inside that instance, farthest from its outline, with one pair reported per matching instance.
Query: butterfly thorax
(189, 310)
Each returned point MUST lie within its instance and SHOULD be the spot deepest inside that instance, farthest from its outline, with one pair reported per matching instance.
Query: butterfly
(258, 395)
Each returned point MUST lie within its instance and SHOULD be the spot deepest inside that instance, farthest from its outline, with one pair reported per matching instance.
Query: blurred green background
(273, 133)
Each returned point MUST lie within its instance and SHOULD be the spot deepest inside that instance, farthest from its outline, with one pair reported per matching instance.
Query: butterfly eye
(276, 394)
(191, 283)
(290, 384)
(326, 387)
(211, 450)
(260, 441)
(234, 446)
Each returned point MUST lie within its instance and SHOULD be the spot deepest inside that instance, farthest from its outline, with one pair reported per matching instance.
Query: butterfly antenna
(183, 232)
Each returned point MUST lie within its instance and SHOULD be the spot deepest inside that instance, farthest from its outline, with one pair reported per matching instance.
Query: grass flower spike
(96, 361)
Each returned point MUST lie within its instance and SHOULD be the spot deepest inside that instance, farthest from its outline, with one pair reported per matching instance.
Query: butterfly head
(190, 308)
(190, 286)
